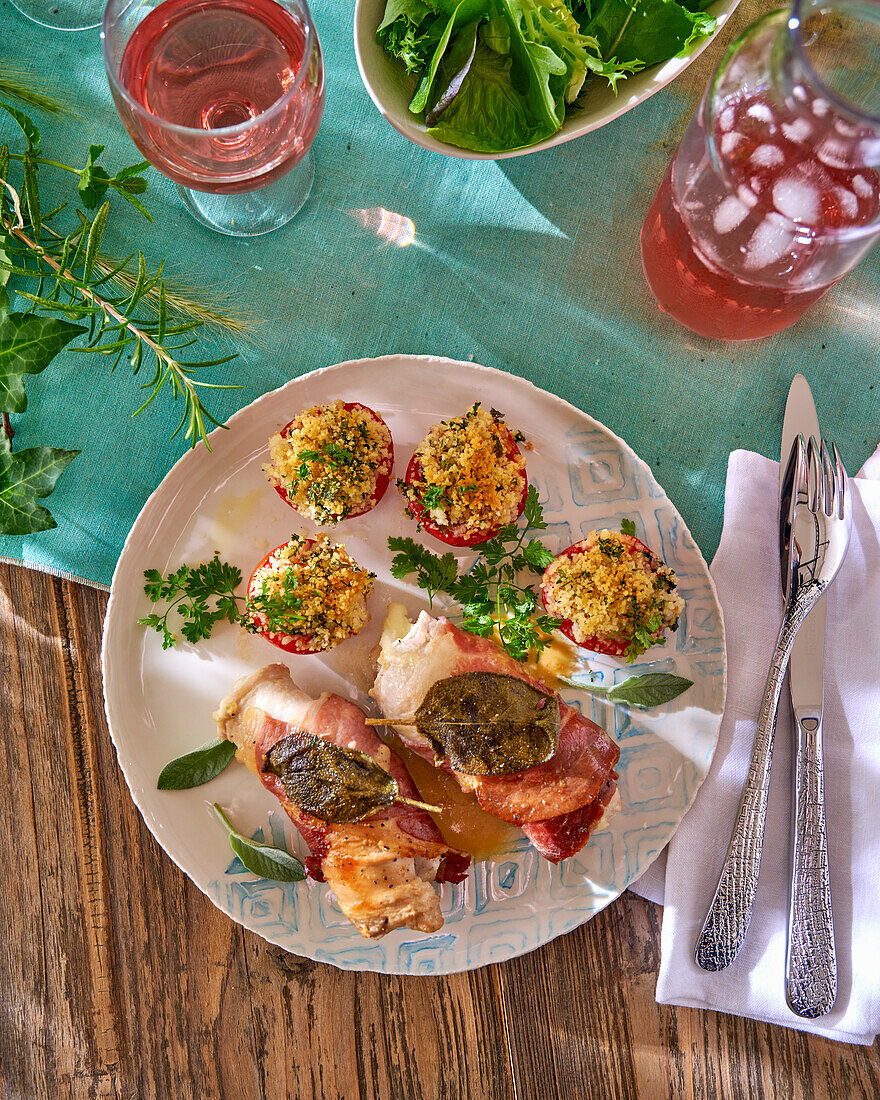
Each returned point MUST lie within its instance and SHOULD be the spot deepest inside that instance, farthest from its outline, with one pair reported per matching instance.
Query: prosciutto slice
(380, 869)
(549, 800)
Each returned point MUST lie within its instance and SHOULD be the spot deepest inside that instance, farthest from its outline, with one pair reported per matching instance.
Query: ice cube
(760, 111)
(729, 142)
(730, 213)
(746, 196)
(820, 108)
(869, 152)
(767, 156)
(845, 128)
(770, 241)
(756, 184)
(862, 187)
(833, 153)
(799, 93)
(725, 119)
(796, 199)
(846, 200)
(797, 131)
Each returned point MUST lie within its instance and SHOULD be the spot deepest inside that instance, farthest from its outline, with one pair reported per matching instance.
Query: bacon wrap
(380, 868)
(563, 836)
(342, 723)
(553, 794)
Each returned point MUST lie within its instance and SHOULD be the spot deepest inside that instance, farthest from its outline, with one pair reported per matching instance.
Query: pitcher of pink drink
(774, 192)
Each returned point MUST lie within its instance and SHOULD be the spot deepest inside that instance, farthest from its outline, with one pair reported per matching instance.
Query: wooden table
(121, 979)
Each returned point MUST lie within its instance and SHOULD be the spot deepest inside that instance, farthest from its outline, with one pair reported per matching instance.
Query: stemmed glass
(62, 15)
(224, 97)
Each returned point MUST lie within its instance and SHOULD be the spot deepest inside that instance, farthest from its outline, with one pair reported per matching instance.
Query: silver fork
(820, 537)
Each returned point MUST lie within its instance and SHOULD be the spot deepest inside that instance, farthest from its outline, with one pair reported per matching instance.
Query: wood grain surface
(119, 978)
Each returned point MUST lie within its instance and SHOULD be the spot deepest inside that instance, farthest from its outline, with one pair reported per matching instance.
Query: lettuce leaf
(409, 31)
(459, 14)
(490, 114)
(649, 31)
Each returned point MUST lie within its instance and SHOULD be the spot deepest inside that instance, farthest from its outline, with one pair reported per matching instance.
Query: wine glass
(224, 97)
(62, 15)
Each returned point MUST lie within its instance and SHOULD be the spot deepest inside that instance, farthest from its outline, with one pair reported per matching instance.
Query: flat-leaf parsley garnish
(202, 595)
(490, 593)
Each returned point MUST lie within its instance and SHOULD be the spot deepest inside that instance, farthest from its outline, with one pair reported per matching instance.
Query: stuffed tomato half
(467, 478)
(332, 462)
(613, 594)
(308, 595)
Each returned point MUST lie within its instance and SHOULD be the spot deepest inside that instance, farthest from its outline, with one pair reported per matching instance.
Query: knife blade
(810, 966)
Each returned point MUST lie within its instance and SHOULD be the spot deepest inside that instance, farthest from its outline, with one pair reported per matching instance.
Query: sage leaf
(27, 345)
(330, 783)
(195, 768)
(652, 689)
(488, 723)
(25, 476)
(262, 859)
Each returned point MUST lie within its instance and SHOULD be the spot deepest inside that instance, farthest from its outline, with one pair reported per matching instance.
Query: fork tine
(814, 480)
(841, 482)
(828, 477)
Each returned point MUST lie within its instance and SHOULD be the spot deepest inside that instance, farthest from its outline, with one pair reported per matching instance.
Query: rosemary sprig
(69, 275)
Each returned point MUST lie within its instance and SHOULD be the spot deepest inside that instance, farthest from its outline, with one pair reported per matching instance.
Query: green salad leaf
(407, 32)
(649, 31)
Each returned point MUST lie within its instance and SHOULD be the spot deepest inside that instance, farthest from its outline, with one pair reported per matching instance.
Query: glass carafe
(774, 192)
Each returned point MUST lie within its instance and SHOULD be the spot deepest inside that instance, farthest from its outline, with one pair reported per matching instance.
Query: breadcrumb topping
(310, 588)
(467, 478)
(614, 591)
(330, 460)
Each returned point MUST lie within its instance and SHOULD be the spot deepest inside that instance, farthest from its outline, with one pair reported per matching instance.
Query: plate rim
(127, 550)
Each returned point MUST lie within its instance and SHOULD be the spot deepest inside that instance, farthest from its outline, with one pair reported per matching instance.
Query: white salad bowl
(391, 88)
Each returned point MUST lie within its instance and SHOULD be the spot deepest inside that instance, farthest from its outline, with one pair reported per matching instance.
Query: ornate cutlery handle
(810, 962)
(731, 910)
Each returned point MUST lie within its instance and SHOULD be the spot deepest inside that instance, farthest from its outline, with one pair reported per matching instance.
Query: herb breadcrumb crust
(332, 461)
(614, 595)
(308, 595)
(467, 478)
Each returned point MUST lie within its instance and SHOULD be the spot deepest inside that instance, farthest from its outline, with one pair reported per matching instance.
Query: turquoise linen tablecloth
(530, 265)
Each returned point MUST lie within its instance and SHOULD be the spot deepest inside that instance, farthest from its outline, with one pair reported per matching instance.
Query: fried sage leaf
(488, 723)
(330, 783)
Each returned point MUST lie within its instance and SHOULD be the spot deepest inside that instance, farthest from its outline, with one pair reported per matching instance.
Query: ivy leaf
(93, 180)
(262, 859)
(24, 477)
(196, 767)
(27, 345)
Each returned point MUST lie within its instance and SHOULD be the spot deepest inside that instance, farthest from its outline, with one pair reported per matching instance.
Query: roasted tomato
(308, 595)
(613, 588)
(345, 475)
(482, 465)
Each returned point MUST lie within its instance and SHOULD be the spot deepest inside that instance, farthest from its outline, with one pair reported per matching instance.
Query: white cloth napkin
(746, 573)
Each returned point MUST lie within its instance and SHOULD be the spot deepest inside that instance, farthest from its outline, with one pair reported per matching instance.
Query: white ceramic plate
(391, 88)
(159, 703)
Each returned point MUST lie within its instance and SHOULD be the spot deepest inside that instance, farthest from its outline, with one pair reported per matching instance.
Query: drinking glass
(224, 97)
(62, 15)
(774, 192)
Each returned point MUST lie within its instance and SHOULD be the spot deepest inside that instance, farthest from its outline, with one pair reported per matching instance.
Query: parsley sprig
(203, 596)
(490, 593)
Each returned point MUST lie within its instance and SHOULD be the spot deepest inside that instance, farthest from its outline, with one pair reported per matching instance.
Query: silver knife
(810, 963)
